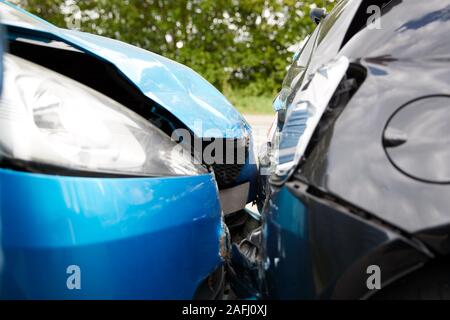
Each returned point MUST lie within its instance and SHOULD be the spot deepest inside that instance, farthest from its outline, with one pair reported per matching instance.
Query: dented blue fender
(137, 238)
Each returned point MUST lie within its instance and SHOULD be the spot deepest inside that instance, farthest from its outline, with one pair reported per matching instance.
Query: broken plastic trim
(350, 83)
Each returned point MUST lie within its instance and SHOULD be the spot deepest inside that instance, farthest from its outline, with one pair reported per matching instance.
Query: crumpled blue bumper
(140, 238)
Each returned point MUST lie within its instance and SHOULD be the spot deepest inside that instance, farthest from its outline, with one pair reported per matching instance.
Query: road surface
(260, 125)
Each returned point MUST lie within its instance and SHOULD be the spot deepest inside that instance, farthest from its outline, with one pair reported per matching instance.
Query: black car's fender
(316, 246)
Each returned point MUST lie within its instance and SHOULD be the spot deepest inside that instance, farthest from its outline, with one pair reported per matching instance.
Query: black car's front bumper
(318, 247)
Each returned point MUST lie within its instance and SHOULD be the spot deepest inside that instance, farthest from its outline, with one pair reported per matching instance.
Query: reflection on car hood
(177, 88)
(406, 61)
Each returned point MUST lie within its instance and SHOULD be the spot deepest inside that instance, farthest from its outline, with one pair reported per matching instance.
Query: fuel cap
(417, 139)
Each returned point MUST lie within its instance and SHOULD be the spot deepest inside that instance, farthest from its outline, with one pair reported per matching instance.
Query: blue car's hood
(175, 87)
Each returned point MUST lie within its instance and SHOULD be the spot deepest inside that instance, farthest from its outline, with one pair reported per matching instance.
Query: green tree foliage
(238, 45)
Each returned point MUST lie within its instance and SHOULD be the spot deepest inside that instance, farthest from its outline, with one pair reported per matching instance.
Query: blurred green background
(243, 47)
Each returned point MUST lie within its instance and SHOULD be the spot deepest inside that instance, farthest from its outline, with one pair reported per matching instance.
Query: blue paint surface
(147, 238)
(287, 257)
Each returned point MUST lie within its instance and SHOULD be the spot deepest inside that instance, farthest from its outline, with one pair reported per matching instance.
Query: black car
(357, 200)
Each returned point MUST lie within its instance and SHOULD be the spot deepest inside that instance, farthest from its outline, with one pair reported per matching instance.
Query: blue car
(105, 192)
(1, 86)
(1, 57)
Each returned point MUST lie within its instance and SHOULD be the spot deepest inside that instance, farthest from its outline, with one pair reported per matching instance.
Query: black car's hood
(411, 29)
(408, 59)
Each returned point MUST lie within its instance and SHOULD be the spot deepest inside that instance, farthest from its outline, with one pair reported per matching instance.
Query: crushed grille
(227, 170)
(227, 174)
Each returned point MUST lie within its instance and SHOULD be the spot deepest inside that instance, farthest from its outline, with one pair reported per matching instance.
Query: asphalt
(260, 125)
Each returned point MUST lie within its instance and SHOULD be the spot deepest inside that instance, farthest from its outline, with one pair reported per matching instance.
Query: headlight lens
(50, 119)
(1, 58)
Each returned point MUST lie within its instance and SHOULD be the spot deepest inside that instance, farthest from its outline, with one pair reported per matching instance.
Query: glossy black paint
(371, 181)
(418, 137)
(389, 213)
(406, 60)
(315, 248)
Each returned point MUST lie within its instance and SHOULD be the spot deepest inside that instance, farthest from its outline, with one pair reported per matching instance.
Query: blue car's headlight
(49, 119)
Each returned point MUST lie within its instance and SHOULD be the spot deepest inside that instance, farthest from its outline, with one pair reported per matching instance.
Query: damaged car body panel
(329, 247)
(131, 223)
(128, 236)
(371, 188)
(175, 87)
(392, 62)
(165, 92)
